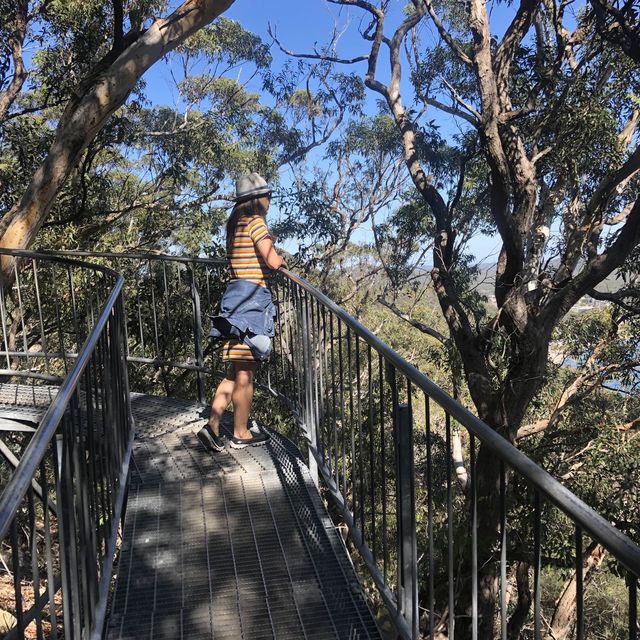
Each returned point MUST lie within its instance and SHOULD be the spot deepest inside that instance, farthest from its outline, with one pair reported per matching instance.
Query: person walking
(247, 313)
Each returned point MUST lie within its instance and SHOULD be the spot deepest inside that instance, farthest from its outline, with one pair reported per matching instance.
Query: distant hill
(485, 281)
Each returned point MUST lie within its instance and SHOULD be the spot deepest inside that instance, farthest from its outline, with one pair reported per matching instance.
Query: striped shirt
(246, 263)
(244, 260)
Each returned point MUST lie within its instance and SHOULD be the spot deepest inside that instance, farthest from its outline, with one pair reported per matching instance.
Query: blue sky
(300, 25)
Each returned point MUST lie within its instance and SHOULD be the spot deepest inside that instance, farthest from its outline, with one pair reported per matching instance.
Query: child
(246, 319)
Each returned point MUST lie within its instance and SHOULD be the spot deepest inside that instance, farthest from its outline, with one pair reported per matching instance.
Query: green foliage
(226, 43)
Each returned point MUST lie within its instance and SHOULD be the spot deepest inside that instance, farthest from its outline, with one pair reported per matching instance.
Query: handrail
(317, 349)
(612, 538)
(36, 449)
(90, 419)
(609, 536)
(136, 256)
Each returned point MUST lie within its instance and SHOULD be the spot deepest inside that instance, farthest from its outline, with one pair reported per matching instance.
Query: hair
(255, 206)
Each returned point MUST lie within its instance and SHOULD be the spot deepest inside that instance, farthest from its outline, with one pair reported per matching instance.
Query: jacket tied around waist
(246, 310)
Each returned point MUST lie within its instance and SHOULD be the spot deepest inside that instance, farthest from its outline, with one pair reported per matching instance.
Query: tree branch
(446, 36)
(596, 269)
(619, 298)
(414, 323)
(15, 41)
(617, 26)
(316, 55)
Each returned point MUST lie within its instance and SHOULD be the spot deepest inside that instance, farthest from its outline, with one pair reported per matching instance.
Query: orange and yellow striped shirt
(246, 263)
(244, 260)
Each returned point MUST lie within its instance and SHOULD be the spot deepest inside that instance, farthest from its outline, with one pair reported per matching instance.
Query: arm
(269, 254)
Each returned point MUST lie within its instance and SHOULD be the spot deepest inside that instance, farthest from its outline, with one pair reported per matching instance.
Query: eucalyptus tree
(108, 48)
(544, 153)
(340, 196)
(156, 177)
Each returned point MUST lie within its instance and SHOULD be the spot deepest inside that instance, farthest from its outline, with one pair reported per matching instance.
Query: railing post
(406, 502)
(308, 411)
(197, 330)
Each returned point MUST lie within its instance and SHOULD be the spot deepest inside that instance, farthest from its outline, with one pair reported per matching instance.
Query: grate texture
(26, 398)
(232, 545)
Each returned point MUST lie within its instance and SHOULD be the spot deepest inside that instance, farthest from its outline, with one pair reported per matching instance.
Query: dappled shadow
(228, 545)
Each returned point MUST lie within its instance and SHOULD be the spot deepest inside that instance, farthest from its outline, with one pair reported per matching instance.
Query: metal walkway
(232, 545)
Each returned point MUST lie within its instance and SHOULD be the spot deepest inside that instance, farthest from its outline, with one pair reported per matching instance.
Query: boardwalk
(233, 545)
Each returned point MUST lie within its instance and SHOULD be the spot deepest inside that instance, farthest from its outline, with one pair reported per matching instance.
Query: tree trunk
(564, 616)
(519, 615)
(87, 112)
(487, 477)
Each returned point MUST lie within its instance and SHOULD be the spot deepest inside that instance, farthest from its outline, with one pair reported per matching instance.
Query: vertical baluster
(35, 569)
(196, 323)
(51, 587)
(4, 318)
(371, 437)
(139, 310)
(289, 331)
(326, 436)
(352, 439)
(503, 552)
(537, 524)
(85, 530)
(316, 368)
(429, 483)
(308, 381)
(383, 461)
(166, 297)
(579, 586)
(154, 313)
(397, 529)
(74, 307)
(409, 534)
(295, 336)
(25, 342)
(43, 337)
(474, 538)
(59, 326)
(68, 533)
(360, 450)
(334, 413)
(343, 454)
(633, 606)
(94, 468)
(102, 442)
(279, 294)
(406, 518)
(17, 576)
(450, 573)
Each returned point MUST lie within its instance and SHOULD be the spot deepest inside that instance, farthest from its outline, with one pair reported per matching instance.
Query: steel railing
(445, 558)
(381, 435)
(63, 340)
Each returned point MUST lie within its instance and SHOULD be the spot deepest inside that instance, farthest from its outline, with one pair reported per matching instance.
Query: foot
(254, 439)
(210, 440)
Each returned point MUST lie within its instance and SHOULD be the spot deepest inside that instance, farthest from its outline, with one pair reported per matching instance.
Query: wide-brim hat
(251, 186)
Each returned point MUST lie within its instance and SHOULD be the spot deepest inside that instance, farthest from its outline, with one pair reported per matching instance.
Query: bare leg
(242, 397)
(221, 400)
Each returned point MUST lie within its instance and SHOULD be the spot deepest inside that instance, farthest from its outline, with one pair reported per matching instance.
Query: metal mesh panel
(232, 545)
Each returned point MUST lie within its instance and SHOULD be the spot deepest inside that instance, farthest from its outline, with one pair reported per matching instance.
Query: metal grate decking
(232, 545)
(236, 545)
